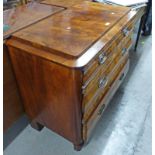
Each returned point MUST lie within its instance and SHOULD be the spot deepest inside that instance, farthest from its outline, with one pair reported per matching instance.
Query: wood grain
(71, 28)
(48, 94)
(89, 55)
(25, 15)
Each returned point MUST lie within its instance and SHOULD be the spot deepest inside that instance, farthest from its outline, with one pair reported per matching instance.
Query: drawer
(95, 101)
(90, 124)
(118, 50)
(101, 59)
(100, 82)
(104, 70)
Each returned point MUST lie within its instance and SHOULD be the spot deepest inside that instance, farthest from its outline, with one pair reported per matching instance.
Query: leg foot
(37, 126)
(78, 147)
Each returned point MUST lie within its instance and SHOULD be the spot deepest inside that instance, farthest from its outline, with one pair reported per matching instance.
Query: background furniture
(16, 19)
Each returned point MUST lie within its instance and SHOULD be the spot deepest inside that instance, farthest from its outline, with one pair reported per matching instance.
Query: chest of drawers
(69, 66)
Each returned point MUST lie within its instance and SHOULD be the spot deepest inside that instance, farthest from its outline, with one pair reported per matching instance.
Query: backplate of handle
(102, 58)
(102, 82)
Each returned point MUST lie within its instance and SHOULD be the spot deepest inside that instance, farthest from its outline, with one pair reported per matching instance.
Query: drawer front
(106, 58)
(95, 101)
(101, 59)
(104, 100)
(101, 80)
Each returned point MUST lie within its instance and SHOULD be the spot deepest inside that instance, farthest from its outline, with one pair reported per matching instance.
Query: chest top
(71, 32)
(23, 16)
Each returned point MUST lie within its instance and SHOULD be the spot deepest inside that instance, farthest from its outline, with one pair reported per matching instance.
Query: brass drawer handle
(102, 82)
(124, 50)
(102, 58)
(125, 32)
(101, 109)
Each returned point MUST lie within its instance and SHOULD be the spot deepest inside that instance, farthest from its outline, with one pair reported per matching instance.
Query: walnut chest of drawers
(69, 66)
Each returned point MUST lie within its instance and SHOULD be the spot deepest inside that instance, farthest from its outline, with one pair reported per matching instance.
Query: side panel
(51, 93)
(12, 104)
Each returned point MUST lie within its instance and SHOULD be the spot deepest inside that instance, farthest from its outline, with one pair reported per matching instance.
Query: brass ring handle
(102, 58)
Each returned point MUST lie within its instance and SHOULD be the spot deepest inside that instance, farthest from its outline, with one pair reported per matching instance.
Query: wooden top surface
(22, 16)
(63, 3)
(89, 55)
(71, 32)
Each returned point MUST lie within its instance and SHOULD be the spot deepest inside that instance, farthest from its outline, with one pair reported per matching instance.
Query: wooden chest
(70, 65)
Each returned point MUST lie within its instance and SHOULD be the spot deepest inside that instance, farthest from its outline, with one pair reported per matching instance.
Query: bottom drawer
(88, 127)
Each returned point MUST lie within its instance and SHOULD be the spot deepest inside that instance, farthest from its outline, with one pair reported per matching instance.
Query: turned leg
(78, 147)
(37, 126)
